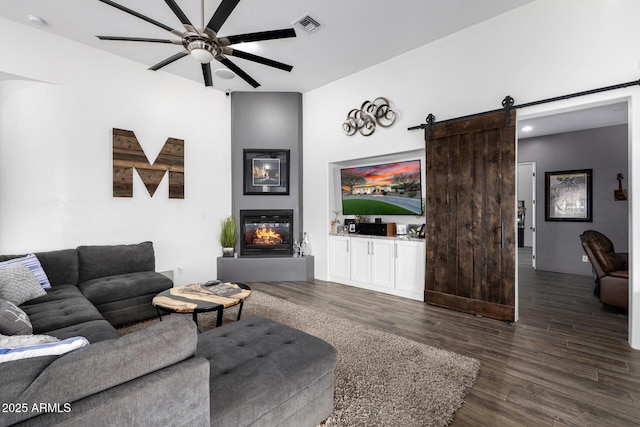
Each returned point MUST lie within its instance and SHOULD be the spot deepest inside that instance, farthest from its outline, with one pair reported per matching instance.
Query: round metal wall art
(370, 115)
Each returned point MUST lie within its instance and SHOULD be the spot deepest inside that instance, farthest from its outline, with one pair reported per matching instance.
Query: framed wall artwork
(568, 195)
(266, 172)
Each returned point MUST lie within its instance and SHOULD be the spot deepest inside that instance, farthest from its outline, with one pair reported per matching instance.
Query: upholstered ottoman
(264, 373)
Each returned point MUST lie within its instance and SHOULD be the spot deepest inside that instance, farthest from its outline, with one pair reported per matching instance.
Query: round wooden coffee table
(199, 298)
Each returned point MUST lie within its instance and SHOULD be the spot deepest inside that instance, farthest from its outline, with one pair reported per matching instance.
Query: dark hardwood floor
(566, 362)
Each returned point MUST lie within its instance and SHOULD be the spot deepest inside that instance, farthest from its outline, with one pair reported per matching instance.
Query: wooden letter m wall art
(128, 154)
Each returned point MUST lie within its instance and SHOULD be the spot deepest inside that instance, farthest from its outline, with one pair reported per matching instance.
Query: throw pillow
(19, 285)
(9, 353)
(32, 263)
(13, 321)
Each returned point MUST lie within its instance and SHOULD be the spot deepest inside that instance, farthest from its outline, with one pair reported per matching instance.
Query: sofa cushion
(126, 312)
(93, 330)
(61, 313)
(104, 261)
(18, 284)
(61, 266)
(78, 317)
(32, 263)
(26, 351)
(57, 293)
(624, 274)
(13, 321)
(258, 365)
(124, 286)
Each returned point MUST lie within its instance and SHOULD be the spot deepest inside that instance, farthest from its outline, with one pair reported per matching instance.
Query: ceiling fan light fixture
(203, 43)
(202, 55)
(201, 51)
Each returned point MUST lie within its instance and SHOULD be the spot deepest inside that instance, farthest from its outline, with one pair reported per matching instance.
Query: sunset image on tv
(386, 189)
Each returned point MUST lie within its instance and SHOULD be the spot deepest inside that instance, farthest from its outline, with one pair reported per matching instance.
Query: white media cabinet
(393, 265)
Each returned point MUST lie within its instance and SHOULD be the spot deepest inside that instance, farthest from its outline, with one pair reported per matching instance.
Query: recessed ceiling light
(527, 128)
(223, 73)
(35, 20)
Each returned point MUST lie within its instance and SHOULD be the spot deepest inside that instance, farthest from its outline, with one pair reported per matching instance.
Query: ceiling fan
(204, 44)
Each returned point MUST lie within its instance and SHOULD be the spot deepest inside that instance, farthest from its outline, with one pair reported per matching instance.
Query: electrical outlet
(585, 258)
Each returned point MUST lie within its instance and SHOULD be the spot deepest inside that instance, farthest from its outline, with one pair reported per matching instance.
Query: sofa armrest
(174, 396)
(624, 256)
(614, 290)
(106, 364)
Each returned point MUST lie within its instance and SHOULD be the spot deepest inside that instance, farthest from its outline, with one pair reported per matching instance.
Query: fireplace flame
(266, 236)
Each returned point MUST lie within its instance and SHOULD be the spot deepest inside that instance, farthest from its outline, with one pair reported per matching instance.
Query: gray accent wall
(267, 120)
(605, 150)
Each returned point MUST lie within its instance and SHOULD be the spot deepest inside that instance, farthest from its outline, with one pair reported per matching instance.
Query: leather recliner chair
(610, 269)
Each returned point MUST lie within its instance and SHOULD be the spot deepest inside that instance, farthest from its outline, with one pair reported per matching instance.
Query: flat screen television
(384, 189)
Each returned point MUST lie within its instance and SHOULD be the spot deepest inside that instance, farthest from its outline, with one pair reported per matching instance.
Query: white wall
(541, 50)
(525, 193)
(604, 151)
(55, 153)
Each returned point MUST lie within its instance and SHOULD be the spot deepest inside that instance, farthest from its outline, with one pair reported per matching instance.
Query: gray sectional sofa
(149, 377)
(253, 372)
(95, 289)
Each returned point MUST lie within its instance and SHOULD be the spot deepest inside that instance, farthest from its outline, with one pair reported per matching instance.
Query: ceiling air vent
(307, 23)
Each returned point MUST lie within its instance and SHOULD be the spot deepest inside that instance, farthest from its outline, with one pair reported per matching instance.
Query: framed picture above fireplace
(266, 172)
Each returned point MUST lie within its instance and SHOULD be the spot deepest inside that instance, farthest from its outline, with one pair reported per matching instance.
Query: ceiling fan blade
(256, 58)
(256, 37)
(169, 60)
(139, 39)
(221, 14)
(178, 12)
(206, 73)
(233, 67)
(141, 16)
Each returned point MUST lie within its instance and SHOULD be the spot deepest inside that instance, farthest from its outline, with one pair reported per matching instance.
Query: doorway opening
(558, 255)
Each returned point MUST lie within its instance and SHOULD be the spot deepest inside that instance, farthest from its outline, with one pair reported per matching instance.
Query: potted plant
(228, 236)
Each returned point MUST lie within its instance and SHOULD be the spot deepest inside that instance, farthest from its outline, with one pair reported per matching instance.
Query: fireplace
(266, 232)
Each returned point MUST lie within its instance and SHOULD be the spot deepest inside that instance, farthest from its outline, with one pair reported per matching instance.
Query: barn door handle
(502, 235)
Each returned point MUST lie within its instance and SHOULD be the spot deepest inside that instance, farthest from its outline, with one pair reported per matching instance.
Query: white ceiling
(582, 119)
(354, 34)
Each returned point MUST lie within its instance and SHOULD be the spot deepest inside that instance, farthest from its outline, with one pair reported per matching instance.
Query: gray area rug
(381, 379)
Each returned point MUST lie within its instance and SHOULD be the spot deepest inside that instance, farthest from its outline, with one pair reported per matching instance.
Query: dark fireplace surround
(266, 232)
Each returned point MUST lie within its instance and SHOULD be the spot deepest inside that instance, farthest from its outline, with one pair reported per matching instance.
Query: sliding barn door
(470, 193)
